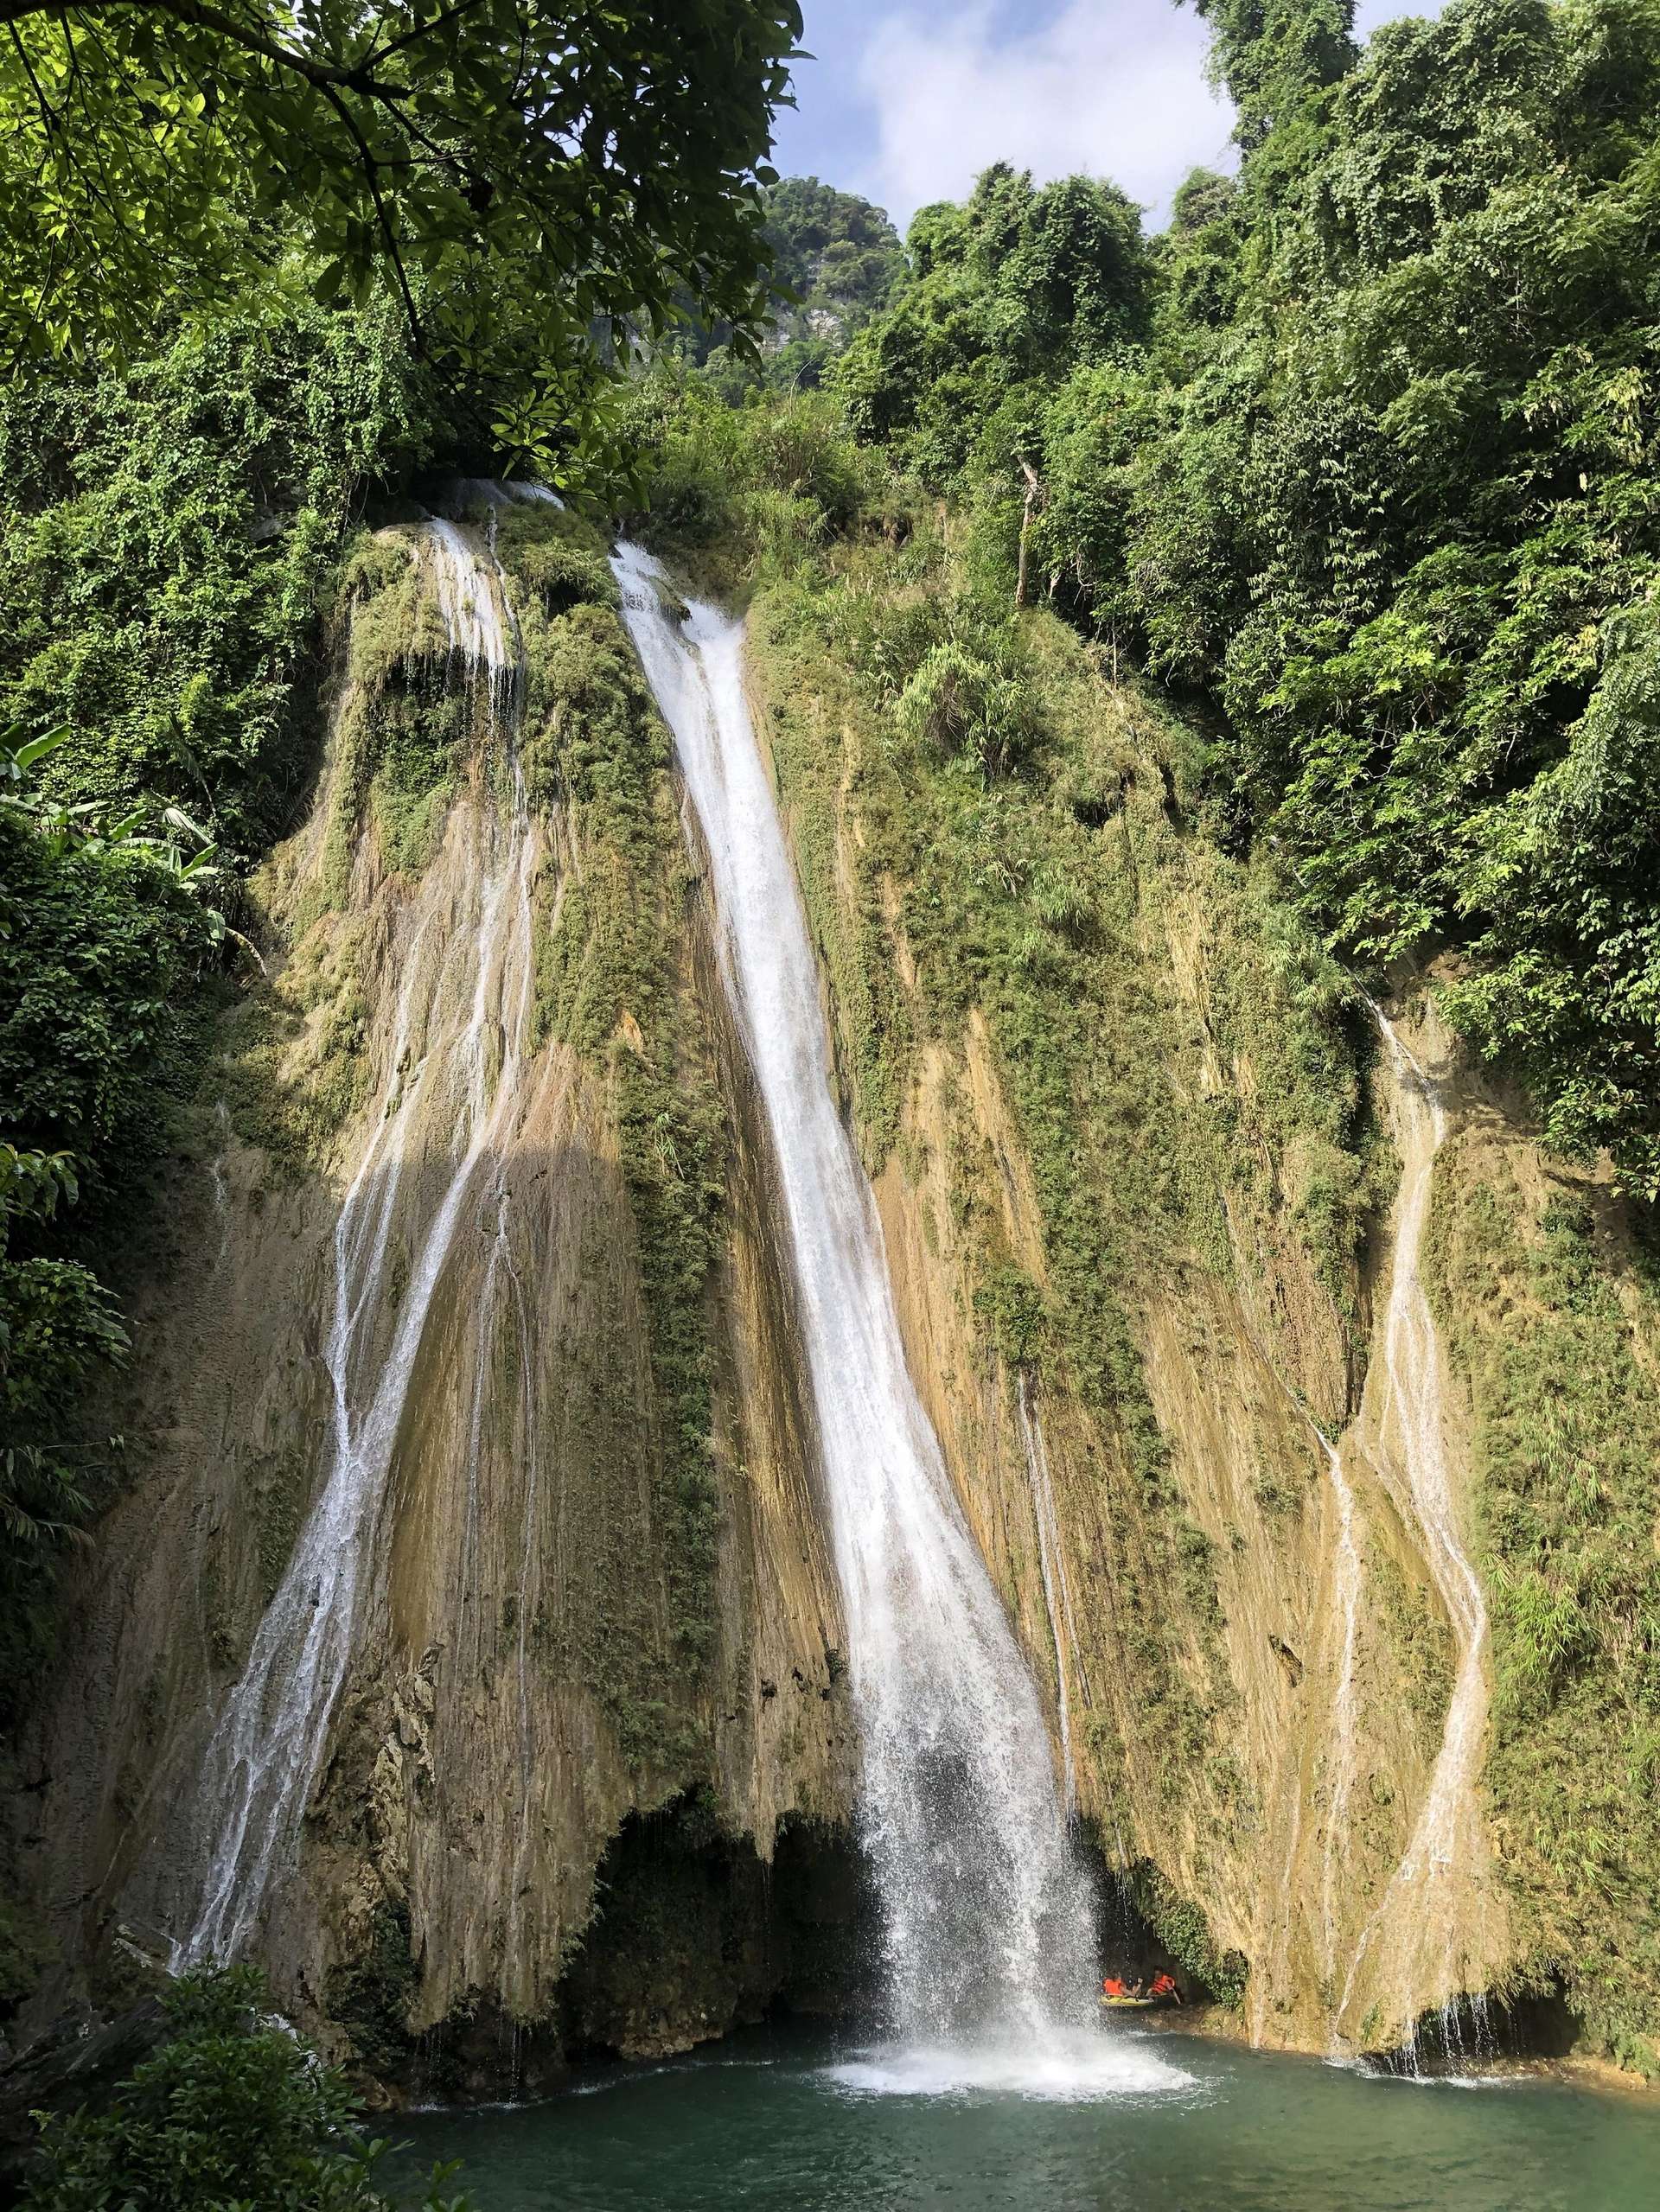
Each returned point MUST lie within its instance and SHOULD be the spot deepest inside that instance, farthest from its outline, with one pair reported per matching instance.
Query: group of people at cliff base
(1161, 1989)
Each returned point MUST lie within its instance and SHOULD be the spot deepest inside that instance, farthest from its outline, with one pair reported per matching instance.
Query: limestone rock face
(566, 1613)
(1235, 1509)
(589, 1769)
(1293, 1814)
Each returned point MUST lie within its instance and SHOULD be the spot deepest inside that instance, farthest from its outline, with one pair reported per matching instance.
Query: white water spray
(264, 1753)
(989, 1937)
(473, 608)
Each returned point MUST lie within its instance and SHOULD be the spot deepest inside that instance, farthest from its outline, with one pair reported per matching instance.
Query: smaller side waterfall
(473, 607)
(1429, 1897)
(1413, 1351)
(453, 1068)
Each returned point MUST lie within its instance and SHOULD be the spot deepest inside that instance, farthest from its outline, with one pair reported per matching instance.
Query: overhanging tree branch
(445, 16)
(371, 173)
(360, 78)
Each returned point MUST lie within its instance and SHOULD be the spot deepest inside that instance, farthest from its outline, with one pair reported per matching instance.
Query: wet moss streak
(612, 982)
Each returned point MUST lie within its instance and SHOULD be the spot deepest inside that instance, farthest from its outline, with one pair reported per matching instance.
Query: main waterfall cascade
(455, 1060)
(988, 1922)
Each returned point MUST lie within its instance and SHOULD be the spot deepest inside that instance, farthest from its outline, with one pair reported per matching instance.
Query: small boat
(1131, 2003)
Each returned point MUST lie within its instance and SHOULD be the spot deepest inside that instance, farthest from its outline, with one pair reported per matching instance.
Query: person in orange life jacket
(1112, 1987)
(1164, 1985)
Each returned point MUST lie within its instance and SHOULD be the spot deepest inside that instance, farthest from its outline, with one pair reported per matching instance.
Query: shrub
(234, 2114)
(961, 703)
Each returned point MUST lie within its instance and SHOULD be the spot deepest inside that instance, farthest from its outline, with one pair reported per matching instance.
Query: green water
(1173, 2125)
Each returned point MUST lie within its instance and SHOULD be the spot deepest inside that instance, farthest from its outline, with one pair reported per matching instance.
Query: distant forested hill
(837, 261)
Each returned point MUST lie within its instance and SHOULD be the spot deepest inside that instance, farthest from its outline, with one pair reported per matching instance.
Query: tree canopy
(526, 177)
(1011, 287)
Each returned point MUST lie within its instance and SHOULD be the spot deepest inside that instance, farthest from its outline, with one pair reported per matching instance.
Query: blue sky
(907, 100)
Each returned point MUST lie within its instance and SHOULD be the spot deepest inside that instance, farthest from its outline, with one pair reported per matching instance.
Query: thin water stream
(1413, 1353)
(1428, 1902)
(452, 1067)
(1057, 1591)
(988, 1919)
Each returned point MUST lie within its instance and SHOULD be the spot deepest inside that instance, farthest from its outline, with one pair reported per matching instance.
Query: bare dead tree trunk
(1034, 492)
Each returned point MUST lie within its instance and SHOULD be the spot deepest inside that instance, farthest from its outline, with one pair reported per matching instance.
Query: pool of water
(1162, 2123)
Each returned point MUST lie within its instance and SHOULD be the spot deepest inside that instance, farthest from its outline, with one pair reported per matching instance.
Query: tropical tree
(529, 179)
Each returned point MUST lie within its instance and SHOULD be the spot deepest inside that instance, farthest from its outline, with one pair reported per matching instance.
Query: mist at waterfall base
(988, 1930)
(768, 2119)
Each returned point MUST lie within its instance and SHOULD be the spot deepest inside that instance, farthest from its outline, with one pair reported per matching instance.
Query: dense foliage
(831, 247)
(518, 178)
(233, 2110)
(167, 539)
(264, 267)
(1555, 1341)
(166, 534)
(837, 260)
(1006, 294)
(1364, 456)
(97, 940)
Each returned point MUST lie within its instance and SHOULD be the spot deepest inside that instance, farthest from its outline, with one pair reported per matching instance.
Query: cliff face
(1181, 1233)
(476, 1122)
(1229, 1309)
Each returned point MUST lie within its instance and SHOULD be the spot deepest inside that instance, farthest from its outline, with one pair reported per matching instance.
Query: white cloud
(1115, 91)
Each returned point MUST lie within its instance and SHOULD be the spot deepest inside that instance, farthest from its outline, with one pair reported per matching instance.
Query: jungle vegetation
(533, 186)
(1358, 458)
(231, 2108)
(836, 261)
(262, 272)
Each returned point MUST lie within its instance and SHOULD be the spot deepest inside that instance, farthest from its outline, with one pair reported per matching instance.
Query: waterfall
(1420, 1909)
(218, 1178)
(451, 1076)
(989, 1937)
(473, 608)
